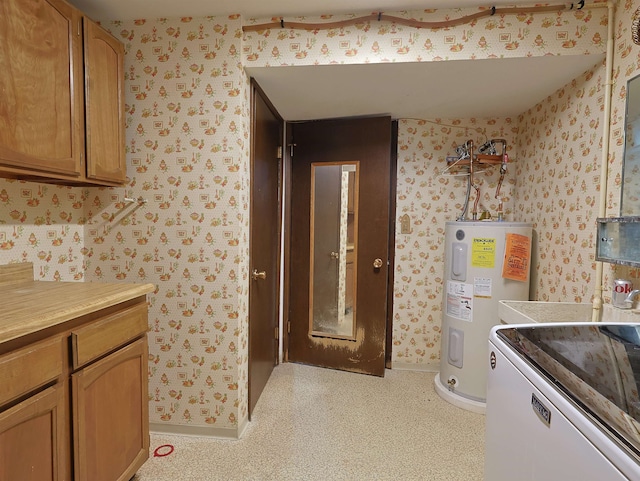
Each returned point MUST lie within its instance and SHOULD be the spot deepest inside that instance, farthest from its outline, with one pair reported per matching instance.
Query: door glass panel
(334, 232)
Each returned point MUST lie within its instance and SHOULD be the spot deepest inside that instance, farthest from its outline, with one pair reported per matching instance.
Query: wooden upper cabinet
(41, 97)
(104, 74)
(61, 112)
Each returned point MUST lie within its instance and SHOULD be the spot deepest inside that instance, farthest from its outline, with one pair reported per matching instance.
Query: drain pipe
(604, 164)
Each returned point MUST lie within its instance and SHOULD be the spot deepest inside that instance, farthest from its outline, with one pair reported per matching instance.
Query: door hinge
(279, 154)
(288, 327)
(277, 332)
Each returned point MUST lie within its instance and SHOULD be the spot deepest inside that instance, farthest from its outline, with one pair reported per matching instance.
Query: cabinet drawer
(102, 336)
(26, 369)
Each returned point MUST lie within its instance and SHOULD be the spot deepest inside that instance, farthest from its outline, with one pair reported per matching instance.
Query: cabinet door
(41, 108)
(32, 440)
(111, 415)
(104, 76)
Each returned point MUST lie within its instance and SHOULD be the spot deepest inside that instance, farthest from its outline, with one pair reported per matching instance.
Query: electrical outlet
(405, 224)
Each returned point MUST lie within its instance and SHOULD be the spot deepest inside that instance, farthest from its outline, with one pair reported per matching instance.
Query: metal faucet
(631, 296)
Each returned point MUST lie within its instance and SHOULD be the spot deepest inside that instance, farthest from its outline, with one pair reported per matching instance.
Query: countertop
(526, 312)
(29, 306)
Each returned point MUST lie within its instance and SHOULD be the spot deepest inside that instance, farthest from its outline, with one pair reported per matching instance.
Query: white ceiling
(451, 89)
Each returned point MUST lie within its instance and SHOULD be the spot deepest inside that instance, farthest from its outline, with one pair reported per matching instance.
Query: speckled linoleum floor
(320, 424)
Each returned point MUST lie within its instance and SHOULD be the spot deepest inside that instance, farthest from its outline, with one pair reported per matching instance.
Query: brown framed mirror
(333, 248)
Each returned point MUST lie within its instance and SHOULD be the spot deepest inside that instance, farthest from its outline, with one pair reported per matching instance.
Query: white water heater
(485, 262)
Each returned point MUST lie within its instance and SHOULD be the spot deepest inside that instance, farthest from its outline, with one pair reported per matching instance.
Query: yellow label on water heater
(483, 252)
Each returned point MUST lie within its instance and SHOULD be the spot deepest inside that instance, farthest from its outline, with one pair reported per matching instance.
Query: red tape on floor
(162, 451)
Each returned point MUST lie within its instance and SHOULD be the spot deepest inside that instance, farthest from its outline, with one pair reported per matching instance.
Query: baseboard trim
(405, 366)
(200, 431)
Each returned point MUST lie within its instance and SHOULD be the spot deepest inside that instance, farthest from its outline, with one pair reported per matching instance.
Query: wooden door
(41, 109)
(32, 440)
(111, 415)
(363, 145)
(104, 76)
(264, 243)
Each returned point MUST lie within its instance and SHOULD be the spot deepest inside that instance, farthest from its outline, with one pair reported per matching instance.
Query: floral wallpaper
(43, 224)
(626, 66)
(575, 32)
(187, 124)
(558, 175)
(187, 116)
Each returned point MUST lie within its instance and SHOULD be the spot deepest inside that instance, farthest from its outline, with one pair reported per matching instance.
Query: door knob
(334, 255)
(255, 275)
(377, 264)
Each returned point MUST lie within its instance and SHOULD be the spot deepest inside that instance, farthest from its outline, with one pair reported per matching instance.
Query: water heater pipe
(503, 167)
(463, 213)
(468, 153)
(604, 161)
(474, 211)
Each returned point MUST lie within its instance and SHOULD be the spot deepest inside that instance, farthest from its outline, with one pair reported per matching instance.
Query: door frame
(393, 181)
(256, 90)
(287, 160)
(289, 147)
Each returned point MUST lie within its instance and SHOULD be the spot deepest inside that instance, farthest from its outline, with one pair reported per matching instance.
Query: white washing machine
(562, 403)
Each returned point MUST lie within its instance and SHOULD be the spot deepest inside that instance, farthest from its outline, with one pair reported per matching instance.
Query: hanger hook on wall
(139, 200)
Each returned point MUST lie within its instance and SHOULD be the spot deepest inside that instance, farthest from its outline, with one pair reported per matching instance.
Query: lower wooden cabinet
(110, 415)
(32, 438)
(74, 405)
